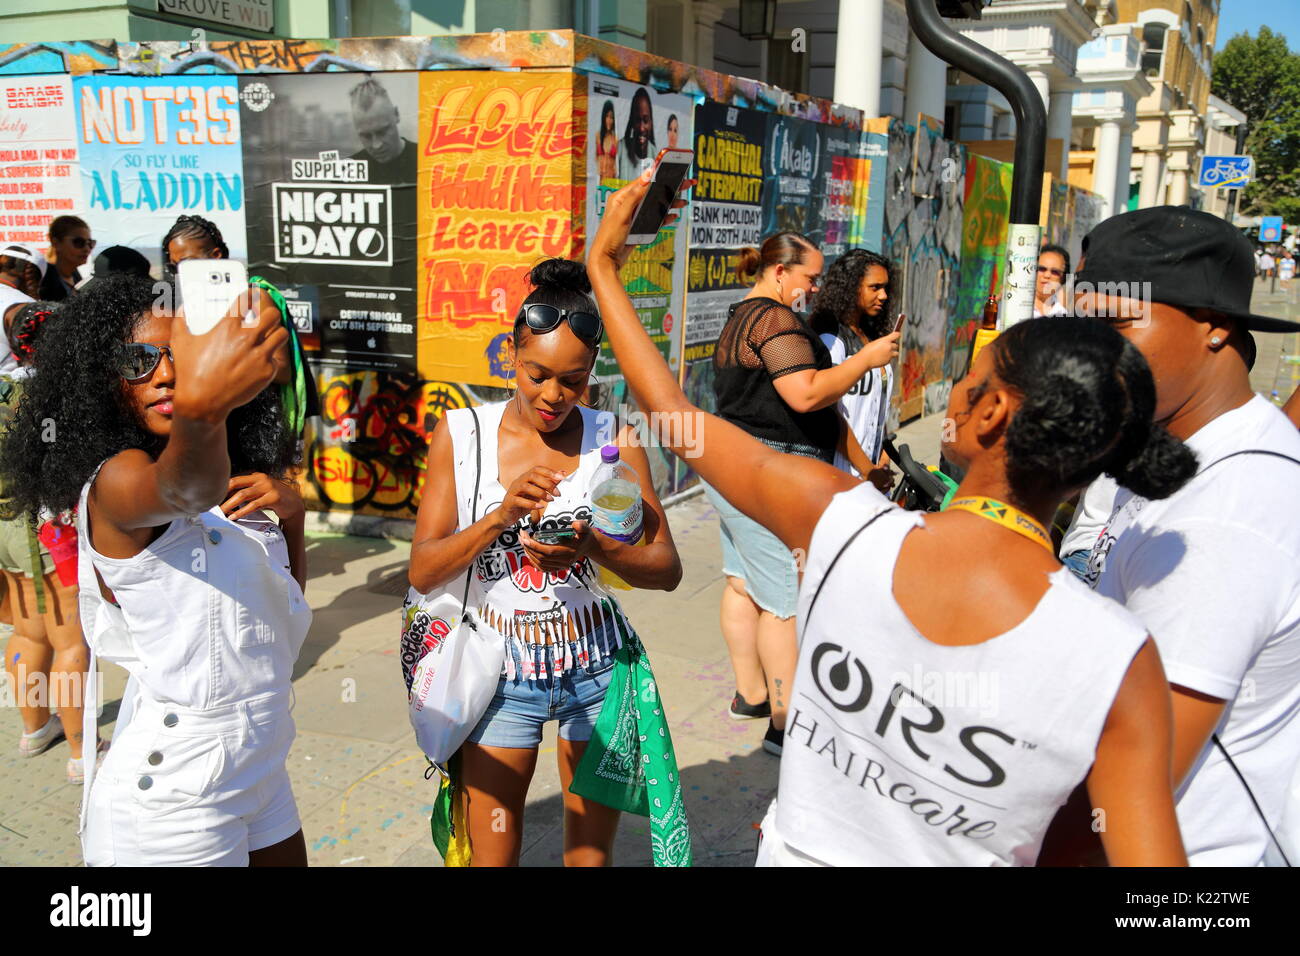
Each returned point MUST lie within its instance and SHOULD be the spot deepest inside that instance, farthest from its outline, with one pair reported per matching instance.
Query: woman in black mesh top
(774, 378)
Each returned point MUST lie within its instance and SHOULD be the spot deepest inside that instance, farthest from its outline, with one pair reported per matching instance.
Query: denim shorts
(756, 556)
(515, 716)
(1077, 561)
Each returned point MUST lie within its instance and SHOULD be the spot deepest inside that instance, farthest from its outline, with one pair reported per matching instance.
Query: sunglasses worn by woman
(961, 781)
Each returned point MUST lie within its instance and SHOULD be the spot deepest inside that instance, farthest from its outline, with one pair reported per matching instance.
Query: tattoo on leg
(777, 682)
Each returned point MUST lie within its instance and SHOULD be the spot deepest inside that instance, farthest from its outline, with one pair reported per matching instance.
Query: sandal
(30, 745)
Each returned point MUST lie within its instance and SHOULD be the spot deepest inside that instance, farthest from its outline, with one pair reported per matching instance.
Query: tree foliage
(1260, 76)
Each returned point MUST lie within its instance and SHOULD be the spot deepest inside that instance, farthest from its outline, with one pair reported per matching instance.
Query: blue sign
(1270, 229)
(1225, 172)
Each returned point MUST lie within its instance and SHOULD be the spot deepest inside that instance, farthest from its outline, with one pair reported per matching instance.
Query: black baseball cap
(1190, 259)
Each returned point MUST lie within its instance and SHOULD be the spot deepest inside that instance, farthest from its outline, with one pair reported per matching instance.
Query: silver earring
(1215, 340)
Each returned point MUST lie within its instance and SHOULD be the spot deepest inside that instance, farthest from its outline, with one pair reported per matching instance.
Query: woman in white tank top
(895, 752)
(538, 452)
(167, 444)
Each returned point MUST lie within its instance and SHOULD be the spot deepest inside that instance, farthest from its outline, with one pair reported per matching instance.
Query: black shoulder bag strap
(1215, 737)
(473, 512)
(834, 561)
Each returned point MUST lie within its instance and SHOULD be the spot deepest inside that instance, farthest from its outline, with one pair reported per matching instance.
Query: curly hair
(836, 302)
(75, 412)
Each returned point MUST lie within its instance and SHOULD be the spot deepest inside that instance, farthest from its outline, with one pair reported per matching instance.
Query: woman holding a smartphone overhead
(508, 494)
(774, 378)
(852, 311)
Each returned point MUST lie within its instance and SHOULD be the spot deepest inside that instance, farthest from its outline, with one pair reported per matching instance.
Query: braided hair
(192, 227)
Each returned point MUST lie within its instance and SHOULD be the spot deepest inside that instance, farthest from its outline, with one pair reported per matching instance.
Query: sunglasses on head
(544, 318)
(141, 359)
(1057, 273)
(81, 242)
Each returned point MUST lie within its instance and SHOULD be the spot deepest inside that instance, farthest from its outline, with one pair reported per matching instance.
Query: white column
(1043, 84)
(1178, 188)
(706, 15)
(1059, 123)
(1104, 172)
(858, 34)
(1153, 171)
(927, 82)
(1123, 170)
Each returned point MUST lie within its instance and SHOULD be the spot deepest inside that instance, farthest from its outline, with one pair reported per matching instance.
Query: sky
(1282, 16)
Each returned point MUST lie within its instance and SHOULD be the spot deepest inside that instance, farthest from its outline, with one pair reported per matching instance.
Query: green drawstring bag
(630, 763)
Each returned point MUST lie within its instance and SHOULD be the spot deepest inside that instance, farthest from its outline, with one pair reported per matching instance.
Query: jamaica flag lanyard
(1005, 515)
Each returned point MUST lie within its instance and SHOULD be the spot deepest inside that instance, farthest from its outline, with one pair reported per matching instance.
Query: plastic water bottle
(616, 506)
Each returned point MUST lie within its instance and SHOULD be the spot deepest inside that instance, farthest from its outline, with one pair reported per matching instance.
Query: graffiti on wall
(983, 249)
(923, 234)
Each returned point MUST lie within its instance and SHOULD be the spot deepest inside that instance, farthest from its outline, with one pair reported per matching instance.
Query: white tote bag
(451, 661)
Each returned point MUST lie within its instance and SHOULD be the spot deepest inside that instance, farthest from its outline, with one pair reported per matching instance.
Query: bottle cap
(609, 453)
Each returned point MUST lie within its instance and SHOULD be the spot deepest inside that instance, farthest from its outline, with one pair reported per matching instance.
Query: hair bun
(560, 275)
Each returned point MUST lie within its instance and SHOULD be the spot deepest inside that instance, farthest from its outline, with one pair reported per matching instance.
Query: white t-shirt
(862, 405)
(899, 751)
(9, 297)
(1090, 517)
(1214, 573)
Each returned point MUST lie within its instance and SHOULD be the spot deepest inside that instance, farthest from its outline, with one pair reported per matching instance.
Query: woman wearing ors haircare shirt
(1045, 409)
(539, 451)
(774, 378)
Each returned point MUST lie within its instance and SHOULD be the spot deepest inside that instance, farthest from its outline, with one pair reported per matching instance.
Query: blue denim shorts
(519, 708)
(756, 556)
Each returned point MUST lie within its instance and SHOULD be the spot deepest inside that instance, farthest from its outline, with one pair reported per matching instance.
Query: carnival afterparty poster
(496, 164)
(38, 157)
(330, 166)
(155, 148)
(627, 125)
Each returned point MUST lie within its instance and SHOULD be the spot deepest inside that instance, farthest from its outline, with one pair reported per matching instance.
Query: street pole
(1024, 234)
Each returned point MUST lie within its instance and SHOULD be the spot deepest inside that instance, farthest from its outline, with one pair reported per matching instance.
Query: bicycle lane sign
(1225, 172)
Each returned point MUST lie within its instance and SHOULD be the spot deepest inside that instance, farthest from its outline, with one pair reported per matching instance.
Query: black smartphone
(671, 167)
(553, 535)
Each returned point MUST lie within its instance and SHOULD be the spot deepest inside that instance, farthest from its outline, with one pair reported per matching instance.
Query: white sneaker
(30, 745)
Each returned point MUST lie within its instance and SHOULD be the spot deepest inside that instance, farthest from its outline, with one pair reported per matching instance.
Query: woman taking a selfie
(775, 379)
(878, 771)
(532, 464)
(170, 445)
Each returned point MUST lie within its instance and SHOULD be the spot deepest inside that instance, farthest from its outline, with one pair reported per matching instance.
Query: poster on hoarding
(726, 216)
(38, 157)
(330, 181)
(795, 164)
(628, 124)
(495, 198)
(155, 148)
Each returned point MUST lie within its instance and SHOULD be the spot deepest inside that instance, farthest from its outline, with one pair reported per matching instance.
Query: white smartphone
(671, 167)
(208, 288)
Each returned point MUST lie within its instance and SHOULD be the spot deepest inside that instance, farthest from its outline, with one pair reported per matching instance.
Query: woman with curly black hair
(887, 761)
(852, 313)
(172, 449)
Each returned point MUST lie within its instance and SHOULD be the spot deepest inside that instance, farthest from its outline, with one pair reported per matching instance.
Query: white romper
(208, 623)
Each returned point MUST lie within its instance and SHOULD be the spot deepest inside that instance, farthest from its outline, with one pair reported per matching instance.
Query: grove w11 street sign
(1225, 172)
